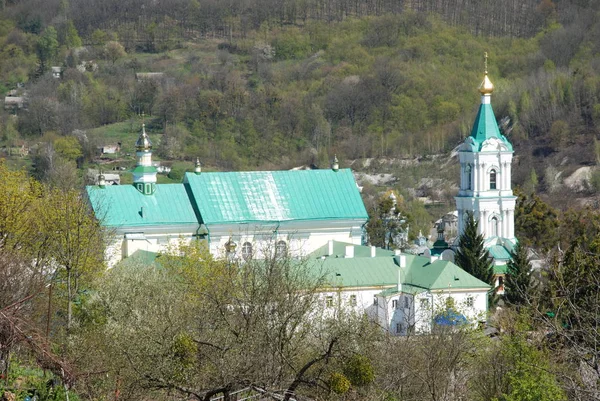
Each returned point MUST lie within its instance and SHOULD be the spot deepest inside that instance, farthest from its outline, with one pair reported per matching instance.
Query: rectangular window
(329, 301)
(406, 305)
(398, 328)
(424, 303)
(469, 302)
(375, 301)
(394, 304)
(352, 300)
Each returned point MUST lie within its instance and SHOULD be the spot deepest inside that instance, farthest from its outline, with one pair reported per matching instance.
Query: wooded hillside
(275, 84)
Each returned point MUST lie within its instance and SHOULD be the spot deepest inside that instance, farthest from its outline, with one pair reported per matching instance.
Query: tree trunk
(69, 302)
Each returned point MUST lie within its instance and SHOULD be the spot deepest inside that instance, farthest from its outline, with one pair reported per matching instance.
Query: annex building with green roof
(404, 293)
(237, 213)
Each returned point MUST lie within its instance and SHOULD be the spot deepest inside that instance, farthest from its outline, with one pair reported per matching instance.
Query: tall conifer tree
(518, 277)
(471, 255)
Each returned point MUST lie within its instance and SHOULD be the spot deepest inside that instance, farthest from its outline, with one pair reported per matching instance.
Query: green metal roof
(499, 248)
(358, 272)
(275, 196)
(486, 127)
(499, 252)
(339, 250)
(145, 169)
(500, 269)
(440, 275)
(381, 271)
(121, 205)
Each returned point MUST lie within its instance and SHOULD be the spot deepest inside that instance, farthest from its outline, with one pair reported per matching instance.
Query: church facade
(241, 213)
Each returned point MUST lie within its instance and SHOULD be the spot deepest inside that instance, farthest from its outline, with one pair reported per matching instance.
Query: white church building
(296, 211)
(320, 215)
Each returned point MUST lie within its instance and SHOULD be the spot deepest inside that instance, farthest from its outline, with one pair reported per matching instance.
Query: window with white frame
(352, 300)
(469, 175)
(494, 224)
(281, 248)
(329, 301)
(247, 250)
(470, 302)
(493, 179)
(394, 304)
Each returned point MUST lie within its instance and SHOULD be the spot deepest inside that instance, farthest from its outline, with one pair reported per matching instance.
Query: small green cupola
(144, 174)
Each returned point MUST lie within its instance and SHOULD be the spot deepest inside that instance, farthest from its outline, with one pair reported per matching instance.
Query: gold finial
(143, 142)
(486, 87)
(485, 62)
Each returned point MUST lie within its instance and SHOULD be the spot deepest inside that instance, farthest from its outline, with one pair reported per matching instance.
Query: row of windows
(493, 179)
(423, 302)
(281, 248)
(329, 301)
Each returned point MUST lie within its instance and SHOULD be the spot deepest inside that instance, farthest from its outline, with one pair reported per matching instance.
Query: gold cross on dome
(485, 61)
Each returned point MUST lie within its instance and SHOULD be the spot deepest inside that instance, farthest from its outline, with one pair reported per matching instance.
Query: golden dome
(143, 142)
(486, 87)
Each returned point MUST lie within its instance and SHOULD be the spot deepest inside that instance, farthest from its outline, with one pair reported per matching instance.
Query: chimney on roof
(373, 251)
(330, 248)
(400, 260)
(349, 251)
(400, 280)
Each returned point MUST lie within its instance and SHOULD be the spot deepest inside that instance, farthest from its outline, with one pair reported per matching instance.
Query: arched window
(493, 179)
(494, 223)
(469, 175)
(247, 251)
(281, 248)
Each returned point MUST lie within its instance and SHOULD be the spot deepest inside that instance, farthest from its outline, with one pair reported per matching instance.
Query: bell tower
(485, 174)
(144, 175)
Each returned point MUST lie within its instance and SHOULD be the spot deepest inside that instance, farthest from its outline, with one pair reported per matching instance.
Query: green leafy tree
(359, 370)
(68, 35)
(471, 255)
(46, 48)
(516, 368)
(217, 326)
(76, 245)
(530, 377)
(536, 222)
(68, 147)
(113, 51)
(386, 222)
(517, 285)
(572, 293)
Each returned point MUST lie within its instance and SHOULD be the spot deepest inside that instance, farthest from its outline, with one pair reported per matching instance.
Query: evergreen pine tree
(517, 283)
(471, 255)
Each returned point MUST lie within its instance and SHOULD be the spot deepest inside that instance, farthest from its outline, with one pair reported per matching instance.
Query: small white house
(57, 72)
